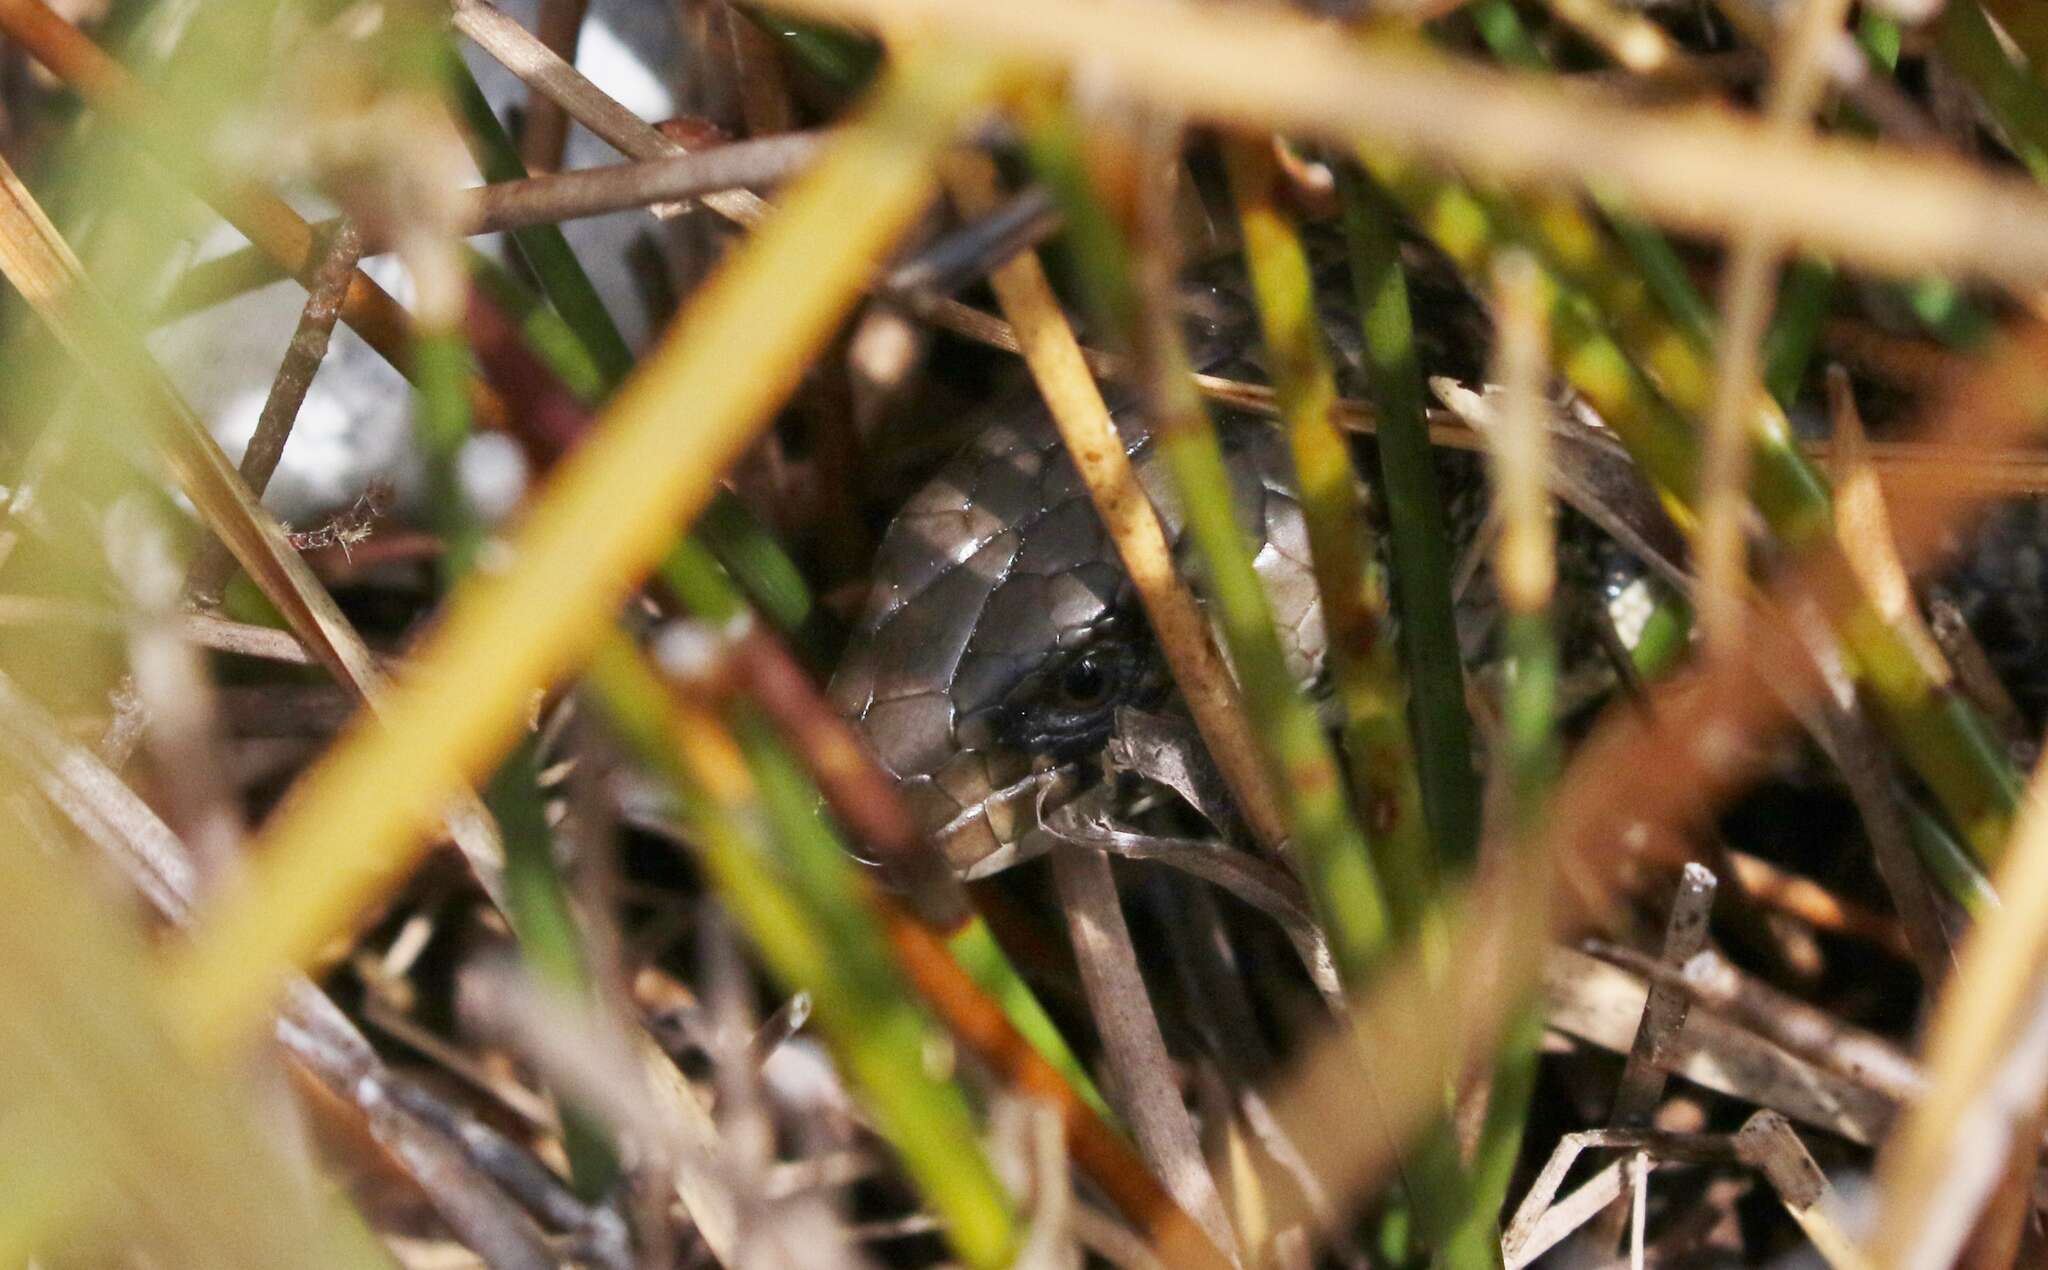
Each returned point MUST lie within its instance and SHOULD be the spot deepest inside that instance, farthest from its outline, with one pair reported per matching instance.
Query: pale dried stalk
(1877, 207)
(1054, 356)
(1803, 1031)
(1601, 1004)
(1549, 1224)
(1525, 563)
(1767, 1143)
(1135, 1050)
(1540, 1224)
(1747, 299)
(1631, 39)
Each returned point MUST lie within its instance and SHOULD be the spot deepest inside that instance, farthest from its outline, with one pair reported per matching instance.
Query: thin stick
(1600, 1003)
(1769, 1144)
(1642, 1078)
(1549, 1226)
(1540, 1224)
(1132, 1044)
(1800, 1029)
(544, 71)
(667, 178)
(1761, 882)
(326, 290)
(546, 131)
(1664, 1010)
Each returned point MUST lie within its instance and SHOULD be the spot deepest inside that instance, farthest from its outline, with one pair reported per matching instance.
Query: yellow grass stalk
(353, 827)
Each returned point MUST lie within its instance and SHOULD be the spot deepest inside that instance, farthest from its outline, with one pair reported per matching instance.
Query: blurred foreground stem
(355, 823)
(739, 541)
(1525, 566)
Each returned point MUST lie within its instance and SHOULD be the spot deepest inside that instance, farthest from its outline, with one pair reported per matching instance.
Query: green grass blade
(1419, 530)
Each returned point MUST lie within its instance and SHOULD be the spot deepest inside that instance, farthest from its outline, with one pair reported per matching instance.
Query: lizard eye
(1066, 709)
(1085, 684)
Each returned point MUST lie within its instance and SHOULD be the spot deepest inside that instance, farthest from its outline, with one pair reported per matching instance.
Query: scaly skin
(1001, 634)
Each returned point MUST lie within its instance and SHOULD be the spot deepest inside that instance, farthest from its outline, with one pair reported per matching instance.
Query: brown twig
(544, 71)
(1599, 1002)
(668, 178)
(1134, 1049)
(1664, 1011)
(1763, 883)
(327, 291)
(541, 200)
(546, 129)
(1769, 1144)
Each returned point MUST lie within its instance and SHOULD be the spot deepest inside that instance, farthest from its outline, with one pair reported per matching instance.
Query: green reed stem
(544, 247)
(1661, 269)
(1383, 770)
(1531, 756)
(1418, 530)
(536, 896)
(1803, 301)
(538, 906)
(843, 58)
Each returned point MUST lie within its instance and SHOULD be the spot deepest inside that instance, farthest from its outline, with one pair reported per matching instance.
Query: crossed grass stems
(219, 989)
